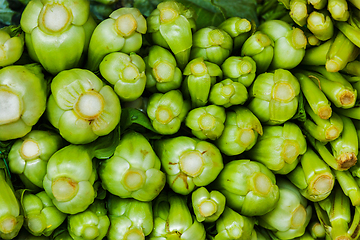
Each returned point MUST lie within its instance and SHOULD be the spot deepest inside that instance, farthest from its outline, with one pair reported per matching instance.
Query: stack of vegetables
(156, 124)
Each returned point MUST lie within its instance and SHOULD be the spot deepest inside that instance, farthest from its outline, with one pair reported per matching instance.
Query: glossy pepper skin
(29, 156)
(82, 106)
(134, 169)
(66, 24)
(23, 94)
(188, 162)
(121, 32)
(171, 26)
(70, 177)
(11, 219)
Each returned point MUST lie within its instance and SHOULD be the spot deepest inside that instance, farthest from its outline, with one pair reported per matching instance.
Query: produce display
(180, 119)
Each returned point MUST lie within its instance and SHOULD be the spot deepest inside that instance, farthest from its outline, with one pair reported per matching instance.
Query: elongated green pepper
(70, 177)
(227, 93)
(341, 52)
(129, 218)
(208, 206)
(241, 131)
(173, 219)
(93, 223)
(82, 107)
(212, 44)
(134, 169)
(313, 177)
(274, 96)
(324, 130)
(315, 98)
(23, 97)
(126, 72)
(200, 76)
(162, 73)
(335, 214)
(41, 215)
(121, 31)
(167, 111)
(337, 88)
(341, 153)
(188, 162)
(11, 218)
(29, 155)
(66, 24)
(249, 187)
(171, 26)
(317, 55)
(11, 45)
(206, 122)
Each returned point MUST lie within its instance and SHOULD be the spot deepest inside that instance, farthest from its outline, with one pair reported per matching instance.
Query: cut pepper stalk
(313, 177)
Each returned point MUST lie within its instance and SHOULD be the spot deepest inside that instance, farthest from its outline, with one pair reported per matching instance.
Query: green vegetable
(260, 48)
(238, 28)
(200, 76)
(280, 147)
(207, 206)
(241, 131)
(121, 31)
(212, 44)
(299, 11)
(313, 177)
(70, 177)
(232, 225)
(206, 122)
(29, 155)
(173, 219)
(249, 187)
(82, 107)
(335, 214)
(336, 88)
(324, 130)
(321, 25)
(341, 153)
(129, 218)
(41, 216)
(341, 52)
(23, 96)
(314, 96)
(291, 214)
(11, 218)
(171, 25)
(338, 9)
(126, 73)
(134, 169)
(227, 93)
(274, 96)
(93, 223)
(11, 45)
(240, 69)
(188, 162)
(67, 24)
(167, 111)
(162, 73)
(289, 43)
